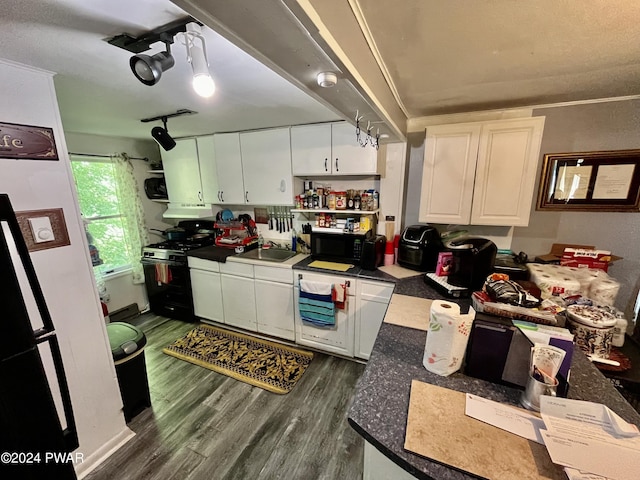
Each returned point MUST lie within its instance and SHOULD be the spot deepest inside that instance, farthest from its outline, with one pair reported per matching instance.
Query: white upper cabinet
(311, 149)
(207, 161)
(266, 167)
(448, 173)
(330, 149)
(230, 183)
(506, 172)
(480, 173)
(182, 172)
(349, 158)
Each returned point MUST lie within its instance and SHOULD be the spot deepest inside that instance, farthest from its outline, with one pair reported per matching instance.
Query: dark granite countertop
(379, 408)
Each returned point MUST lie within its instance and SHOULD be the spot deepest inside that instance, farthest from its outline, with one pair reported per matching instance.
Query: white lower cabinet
(274, 298)
(275, 309)
(338, 338)
(238, 295)
(372, 300)
(206, 289)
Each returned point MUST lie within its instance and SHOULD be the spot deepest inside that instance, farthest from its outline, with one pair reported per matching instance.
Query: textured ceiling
(467, 55)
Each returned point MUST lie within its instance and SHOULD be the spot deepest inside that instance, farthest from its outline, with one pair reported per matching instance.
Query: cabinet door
(208, 175)
(311, 149)
(448, 173)
(182, 172)
(369, 317)
(348, 157)
(506, 172)
(228, 169)
(372, 300)
(275, 305)
(239, 301)
(266, 167)
(207, 295)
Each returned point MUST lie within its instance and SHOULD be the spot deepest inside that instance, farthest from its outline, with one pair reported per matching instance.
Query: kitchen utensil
(174, 233)
(287, 218)
(270, 218)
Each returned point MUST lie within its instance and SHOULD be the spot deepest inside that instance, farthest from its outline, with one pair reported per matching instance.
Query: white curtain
(135, 227)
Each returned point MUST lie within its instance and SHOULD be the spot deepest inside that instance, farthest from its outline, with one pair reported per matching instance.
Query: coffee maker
(472, 261)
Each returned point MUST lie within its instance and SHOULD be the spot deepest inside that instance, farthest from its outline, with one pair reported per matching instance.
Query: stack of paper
(588, 439)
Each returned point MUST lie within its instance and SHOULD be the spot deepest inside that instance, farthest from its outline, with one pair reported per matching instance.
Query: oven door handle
(171, 263)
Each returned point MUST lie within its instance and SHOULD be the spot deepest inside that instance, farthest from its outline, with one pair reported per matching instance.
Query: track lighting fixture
(202, 83)
(161, 135)
(148, 69)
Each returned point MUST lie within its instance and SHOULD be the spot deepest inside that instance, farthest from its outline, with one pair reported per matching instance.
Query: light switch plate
(57, 225)
(41, 229)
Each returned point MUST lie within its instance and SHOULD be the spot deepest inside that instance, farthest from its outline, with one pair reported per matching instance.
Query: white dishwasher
(338, 338)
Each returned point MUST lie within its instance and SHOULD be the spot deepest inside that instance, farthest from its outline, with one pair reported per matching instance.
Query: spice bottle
(356, 201)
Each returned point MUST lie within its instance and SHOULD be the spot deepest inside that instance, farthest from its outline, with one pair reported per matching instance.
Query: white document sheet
(512, 419)
(591, 438)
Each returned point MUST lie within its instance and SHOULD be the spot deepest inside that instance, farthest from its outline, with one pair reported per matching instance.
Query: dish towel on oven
(316, 303)
(163, 273)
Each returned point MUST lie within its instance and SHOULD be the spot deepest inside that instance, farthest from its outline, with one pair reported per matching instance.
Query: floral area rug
(262, 363)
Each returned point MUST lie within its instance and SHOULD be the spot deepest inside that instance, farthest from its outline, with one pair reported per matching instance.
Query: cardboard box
(586, 258)
(557, 249)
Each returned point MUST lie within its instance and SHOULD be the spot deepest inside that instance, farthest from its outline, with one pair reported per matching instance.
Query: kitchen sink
(269, 255)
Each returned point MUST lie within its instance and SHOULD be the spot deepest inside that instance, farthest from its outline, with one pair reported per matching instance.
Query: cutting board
(338, 267)
(437, 428)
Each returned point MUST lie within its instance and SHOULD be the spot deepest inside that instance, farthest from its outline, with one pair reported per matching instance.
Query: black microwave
(338, 247)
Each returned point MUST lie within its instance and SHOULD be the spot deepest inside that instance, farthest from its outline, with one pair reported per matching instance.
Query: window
(98, 197)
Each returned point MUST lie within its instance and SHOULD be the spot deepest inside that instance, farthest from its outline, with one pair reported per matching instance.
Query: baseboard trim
(105, 451)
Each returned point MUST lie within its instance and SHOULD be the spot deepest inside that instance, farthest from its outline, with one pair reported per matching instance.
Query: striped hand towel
(315, 303)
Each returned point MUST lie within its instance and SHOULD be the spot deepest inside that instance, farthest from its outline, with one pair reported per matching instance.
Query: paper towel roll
(447, 337)
(604, 290)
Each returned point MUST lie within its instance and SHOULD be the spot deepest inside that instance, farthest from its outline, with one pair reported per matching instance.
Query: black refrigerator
(33, 442)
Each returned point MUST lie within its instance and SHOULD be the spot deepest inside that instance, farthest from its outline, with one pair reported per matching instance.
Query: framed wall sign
(27, 142)
(591, 181)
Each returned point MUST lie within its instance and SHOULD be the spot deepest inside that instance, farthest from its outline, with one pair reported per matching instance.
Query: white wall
(122, 291)
(27, 97)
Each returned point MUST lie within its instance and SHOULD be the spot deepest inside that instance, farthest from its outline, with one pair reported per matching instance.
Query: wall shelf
(326, 210)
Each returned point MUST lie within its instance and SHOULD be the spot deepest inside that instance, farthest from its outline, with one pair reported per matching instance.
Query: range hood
(188, 210)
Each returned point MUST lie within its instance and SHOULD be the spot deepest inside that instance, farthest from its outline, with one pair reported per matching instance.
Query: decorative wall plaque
(27, 142)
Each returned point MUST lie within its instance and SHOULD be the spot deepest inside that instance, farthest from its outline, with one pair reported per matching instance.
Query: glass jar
(356, 201)
(331, 201)
(350, 198)
(341, 200)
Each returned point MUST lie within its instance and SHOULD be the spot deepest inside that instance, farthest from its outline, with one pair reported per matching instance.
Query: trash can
(127, 347)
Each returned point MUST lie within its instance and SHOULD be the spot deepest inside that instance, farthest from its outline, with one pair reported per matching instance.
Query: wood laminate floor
(206, 426)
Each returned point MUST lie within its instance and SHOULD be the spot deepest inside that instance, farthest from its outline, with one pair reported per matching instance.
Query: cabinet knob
(200, 196)
(337, 169)
(246, 197)
(325, 164)
(222, 195)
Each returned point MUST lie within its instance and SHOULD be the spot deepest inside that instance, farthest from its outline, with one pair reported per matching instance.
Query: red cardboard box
(586, 258)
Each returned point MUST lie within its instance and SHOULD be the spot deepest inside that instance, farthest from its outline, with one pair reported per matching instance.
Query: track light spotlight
(202, 82)
(148, 69)
(161, 135)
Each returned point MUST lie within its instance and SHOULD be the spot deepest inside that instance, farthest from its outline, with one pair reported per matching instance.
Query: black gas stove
(166, 275)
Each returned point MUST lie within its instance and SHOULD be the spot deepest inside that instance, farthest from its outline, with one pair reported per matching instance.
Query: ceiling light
(203, 83)
(327, 79)
(148, 69)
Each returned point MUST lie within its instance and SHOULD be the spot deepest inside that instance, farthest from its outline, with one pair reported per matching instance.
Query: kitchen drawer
(238, 269)
(335, 279)
(202, 264)
(375, 291)
(274, 274)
